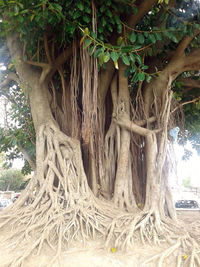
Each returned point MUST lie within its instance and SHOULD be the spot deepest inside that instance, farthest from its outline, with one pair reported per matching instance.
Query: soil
(95, 254)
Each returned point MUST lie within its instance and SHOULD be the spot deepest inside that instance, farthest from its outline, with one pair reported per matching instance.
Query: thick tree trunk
(123, 192)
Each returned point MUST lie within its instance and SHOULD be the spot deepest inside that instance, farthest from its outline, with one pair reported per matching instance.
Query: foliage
(60, 22)
(19, 134)
(12, 180)
(100, 72)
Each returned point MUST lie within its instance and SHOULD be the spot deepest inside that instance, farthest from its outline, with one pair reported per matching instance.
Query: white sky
(188, 168)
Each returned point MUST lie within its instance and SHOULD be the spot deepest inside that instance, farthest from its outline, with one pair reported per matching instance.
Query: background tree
(102, 82)
(11, 180)
(17, 135)
(187, 182)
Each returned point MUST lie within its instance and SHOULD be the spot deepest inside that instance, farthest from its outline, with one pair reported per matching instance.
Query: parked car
(186, 204)
(4, 202)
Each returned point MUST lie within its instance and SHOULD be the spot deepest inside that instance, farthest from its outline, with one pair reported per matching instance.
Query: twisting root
(57, 207)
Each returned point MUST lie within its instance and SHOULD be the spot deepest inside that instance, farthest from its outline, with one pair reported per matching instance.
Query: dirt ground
(95, 254)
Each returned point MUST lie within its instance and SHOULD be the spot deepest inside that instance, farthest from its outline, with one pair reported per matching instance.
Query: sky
(188, 168)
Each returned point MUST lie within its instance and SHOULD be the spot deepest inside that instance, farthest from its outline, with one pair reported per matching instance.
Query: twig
(185, 103)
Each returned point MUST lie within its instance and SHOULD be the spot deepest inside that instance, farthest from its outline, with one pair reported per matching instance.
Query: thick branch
(49, 71)
(131, 126)
(143, 122)
(192, 61)
(107, 75)
(37, 64)
(188, 82)
(11, 77)
(27, 157)
(180, 51)
(143, 9)
(47, 48)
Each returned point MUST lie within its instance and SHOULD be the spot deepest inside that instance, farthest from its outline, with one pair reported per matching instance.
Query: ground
(95, 254)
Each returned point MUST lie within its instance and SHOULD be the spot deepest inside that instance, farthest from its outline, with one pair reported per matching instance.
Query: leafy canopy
(60, 22)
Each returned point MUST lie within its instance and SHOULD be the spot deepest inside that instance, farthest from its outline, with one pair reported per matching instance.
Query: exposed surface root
(56, 211)
(149, 227)
(59, 211)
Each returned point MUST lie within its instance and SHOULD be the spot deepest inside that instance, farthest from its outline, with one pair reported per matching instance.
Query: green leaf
(98, 52)
(114, 56)
(152, 38)
(87, 43)
(133, 68)
(103, 21)
(108, 13)
(106, 57)
(141, 76)
(119, 28)
(141, 38)
(57, 7)
(135, 77)
(100, 57)
(93, 35)
(135, 47)
(80, 6)
(21, 18)
(92, 49)
(125, 60)
(77, 14)
(144, 67)
(86, 18)
(102, 8)
(2, 3)
(158, 36)
(32, 17)
(138, 59)
(148, 78)
(174, 39)
(117, 20)
(133, 37)
(131, 56)
(127, 48)
(119, 40)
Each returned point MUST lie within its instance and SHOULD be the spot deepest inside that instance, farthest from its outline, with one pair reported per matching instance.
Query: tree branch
(192, 61)
(180, 50)
(186, 103)
(27, 157)
(143, 9)
(107, 75)
(11, 77)
(188, 82)
(46, 47)
(131, 126)
(50, 69)
(143, 122)
(37, 64)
